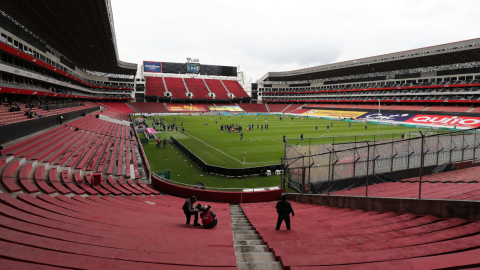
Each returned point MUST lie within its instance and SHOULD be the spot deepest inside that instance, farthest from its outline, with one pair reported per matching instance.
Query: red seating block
(52, 176)
(88, 178)
(129, 188)
(217, 88)
(137, 187)
(69, 184)
(197, 88)
(79, 181)
(235, 88)
(147, 188)
(117, 186)
(154, 86)
(176, 87)
(24, 180)
(149, 107)
(41, 182)
(7, 177)
(250, 107)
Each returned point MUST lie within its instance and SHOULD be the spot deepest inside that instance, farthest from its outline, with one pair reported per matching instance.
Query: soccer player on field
(328, 127)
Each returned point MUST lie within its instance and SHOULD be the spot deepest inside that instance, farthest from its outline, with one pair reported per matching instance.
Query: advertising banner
(387, 117)
(343, 114)
(443, 120)
(149, 66)
(226, 108)
(184, 108)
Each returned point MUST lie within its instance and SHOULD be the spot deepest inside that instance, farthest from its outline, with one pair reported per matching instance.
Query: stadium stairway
(250, 251)
(343, 238)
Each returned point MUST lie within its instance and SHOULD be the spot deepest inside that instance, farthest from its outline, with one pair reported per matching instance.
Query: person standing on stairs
(284, 209)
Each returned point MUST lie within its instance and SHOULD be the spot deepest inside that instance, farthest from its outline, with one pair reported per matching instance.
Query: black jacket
(188, 207)
(284, 208)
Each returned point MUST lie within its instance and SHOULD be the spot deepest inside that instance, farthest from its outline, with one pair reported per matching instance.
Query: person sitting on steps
(208, 217)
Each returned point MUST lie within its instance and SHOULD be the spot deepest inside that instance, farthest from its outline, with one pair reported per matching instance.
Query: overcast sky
(262, 36)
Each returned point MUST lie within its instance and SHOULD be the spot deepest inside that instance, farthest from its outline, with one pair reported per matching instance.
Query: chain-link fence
(403, 166)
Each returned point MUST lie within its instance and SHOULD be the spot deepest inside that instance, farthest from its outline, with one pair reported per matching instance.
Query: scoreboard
(193, 67)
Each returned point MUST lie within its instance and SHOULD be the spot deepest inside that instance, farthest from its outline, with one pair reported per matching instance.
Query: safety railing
(423, 167)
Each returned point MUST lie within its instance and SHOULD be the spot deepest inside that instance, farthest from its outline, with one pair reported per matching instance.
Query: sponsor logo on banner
(183, 108)
(325, 113)
(226, 108)
(388, 117)
(443, 120)
(155, 67)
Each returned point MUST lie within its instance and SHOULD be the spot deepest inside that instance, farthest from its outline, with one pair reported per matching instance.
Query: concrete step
(247, 242)
(255, 257)
(259, 266)
(252, 249)
(235, 224)
(241, 228)
(245, 232)
(246, 237)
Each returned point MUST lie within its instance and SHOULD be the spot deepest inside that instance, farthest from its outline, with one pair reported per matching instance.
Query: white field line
(224, 152)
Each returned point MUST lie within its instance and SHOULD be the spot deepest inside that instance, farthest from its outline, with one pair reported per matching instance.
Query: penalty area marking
(224, 152)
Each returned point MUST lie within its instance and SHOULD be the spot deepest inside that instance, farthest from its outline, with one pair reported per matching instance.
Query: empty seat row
(344, 238)
(45, 232)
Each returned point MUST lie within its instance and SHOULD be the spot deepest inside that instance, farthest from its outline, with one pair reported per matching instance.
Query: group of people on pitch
(284, 208)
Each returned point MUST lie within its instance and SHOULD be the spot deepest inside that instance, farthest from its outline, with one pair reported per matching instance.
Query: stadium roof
(445, 54)
(81, 30)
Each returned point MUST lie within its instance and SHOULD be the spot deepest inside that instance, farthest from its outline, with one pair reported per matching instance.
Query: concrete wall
(441, 208)
(217, 196)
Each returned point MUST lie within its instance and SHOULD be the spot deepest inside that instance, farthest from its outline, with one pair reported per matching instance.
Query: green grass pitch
(265, 147)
